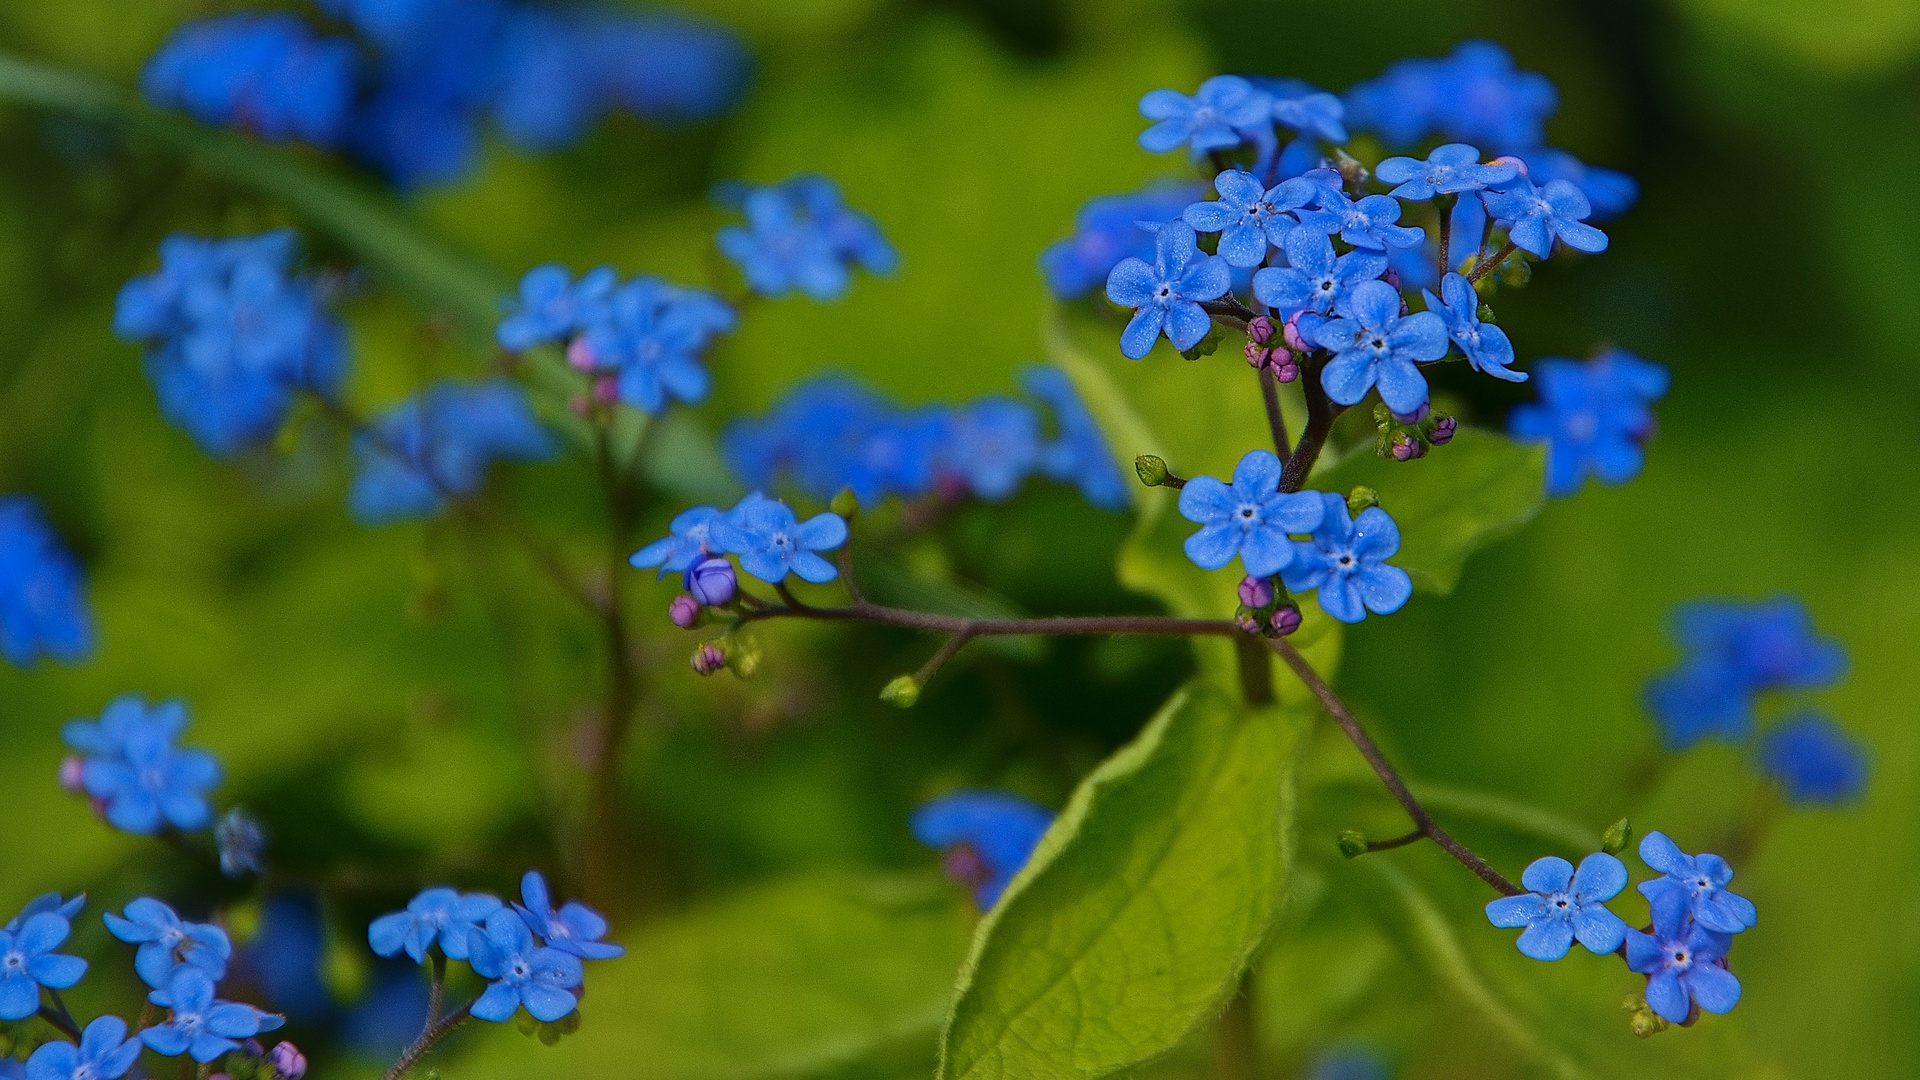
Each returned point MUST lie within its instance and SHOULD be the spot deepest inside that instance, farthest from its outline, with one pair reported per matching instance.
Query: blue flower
(1485, 345)
(1314, 280)
(1078, 453)
(688, 541)
(1167, 294)
(1448, 170)
(575, 928)
(1537, 216)
(1565, 904)
(168, 943)
(1346, 561)
(1475, 95)
(1248, 216)
(132, 765)
(832, 433)
(436, 916)
(799, 235)
(992, 445)
(552, 306)
(1734, 651)
(989, 836)
(267, 73)
(1685, 964)
(1593, 418)
(104, 1053)
(522, 973)
(438, 444)
(1368, 223)
(1251, 518)
(1316, 114)
(241, 840)
(652, 335)
(771, 542)
(43, 602)
(1107, 230)
(1206, 121)
(1814, 760)
(286, 955)
(198, 1024)
(1611, 191)
(1373, 344)
(43, 904)
(28, 962)
(666, 65)
(1693, 886)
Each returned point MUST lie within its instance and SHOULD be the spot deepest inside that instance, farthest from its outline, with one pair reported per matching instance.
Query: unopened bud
(1246, 620)
(1353, 843)
(902, 693)
(1485, 314)
(1151, 470)
(709, 658)
(1404, 447)
(1260, 329)
(1292, 336)
(1286, 619)
(1354, 173)
(1285, 370)
(1413, 417)
(1443, 430)
(684, 611)
(1392, 277)
(1256, 355)
(288, 1061)
(1618, 835)
(1256, 592)
(1643, 1021)
(580, 355)
(1361, 498)
(73, 774)
(845, 503)
(606, 390)
(711, 581)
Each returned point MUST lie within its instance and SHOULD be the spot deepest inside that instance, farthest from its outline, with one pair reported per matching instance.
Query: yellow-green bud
(1615, 839)
(1362, 498)
(846, 503)
(1152, 470)
(1643, 1021)
(1353, 843)
(743, 654)
(903, 692)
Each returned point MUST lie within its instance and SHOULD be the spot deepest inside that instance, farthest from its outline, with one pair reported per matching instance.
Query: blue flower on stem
(436, 916)
(552, 306)
(1814, 760)
(575, 928)
(1167, 294)
(1251, 518)
(1448, 170)
(1368, 223)
(1313, 279)
(988, 837)
(200, 1025)
(168, 942)
(522, 972)
(1565, 905)
(1685, 964)
(772, 543)
(799, 235)
(1374, 344)
(1248, 215)
(1106, 230)
(1209, 120)
(1078, 454)
(992, 445)
(1693, 886)
(1485, 345)
(104, 1053)
(28, 962)
(651, 336)
(1537, 216)
(134, 768)
(43, 602)
(43, 904)
(1475, 95)
(438, 444)
(1593, 418)
(1346, 561)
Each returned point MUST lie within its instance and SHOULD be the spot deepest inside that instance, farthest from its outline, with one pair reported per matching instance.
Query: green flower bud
(1151, 470)
(743, 654)
(1643, 1021)
(1362, 498)
(1485, 314)
(1353, 843)
(846, 503)
(903, 692)
(1615, 839)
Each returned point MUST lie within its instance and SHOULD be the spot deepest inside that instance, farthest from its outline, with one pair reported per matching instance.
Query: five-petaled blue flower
(1250, 518)
(1367, 223)
(46, 902)
(168, 942)
(1684, 962)
(1565, 905)
(436, 916)
(1448, 170)
(1206, 121)
(104, 1053)
(1593, 418)
(799, 235)
(1317, 115)
(688, 540)
(200, 1025)
(1374, 344)
(132, 765)
(43, 601)
(1313, 279)
(28, 962)
(1693, 885)
(1346, 561)
(521, 972)
(988, 837)
(1078, 453)
(1248, 215)
(552, 306)
(1167, 294)
(1814, 760)
(266, 72)
(651, 336)
(772, 543)
(1476, 95)
(1537, 216)
(1485, 345)
(575, 928)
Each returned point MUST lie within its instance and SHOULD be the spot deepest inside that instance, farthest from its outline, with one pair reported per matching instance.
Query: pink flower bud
(606, 389)
(73, 775)
(709, 658)
(1286, 619)
(1405, 447)
(288, 1061)
(1245, 621)
(1256, 592)
(1413, 417)
(1443, 430)
(684, 611)
(1256, 355)
(580, 355)
(1392, 277)
(1260, 329)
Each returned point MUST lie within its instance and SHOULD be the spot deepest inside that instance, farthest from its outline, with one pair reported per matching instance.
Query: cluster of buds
(1266, 609)
(1266, 354)
(711, 582)
(1405, 436)
(254, 1062)
(736, 651)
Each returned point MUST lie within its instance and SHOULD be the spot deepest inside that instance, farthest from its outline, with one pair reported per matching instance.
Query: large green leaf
(1140, 908)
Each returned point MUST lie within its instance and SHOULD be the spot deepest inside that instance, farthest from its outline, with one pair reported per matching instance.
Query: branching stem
(1486, 266)
(1321, 413)
(428, 1038)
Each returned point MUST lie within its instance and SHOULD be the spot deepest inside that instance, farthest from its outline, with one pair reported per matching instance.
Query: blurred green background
(412, 704)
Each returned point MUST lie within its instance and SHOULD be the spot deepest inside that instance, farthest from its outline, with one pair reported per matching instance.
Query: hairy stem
(436, 993)
(1321, 413)
(622, 689)
(1486, 266)
(62, 1021)
(432, 1035)
(1270, 394)
(948, 650)
(861, 611)
(1445, 206)
(1398, 841)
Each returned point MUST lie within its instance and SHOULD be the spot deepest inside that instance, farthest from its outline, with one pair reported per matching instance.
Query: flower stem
(1270, 393)
(1485, 266)
(1321, 413)
(432, 1035)
(1445, 206)
(622, 691)
(436, 994)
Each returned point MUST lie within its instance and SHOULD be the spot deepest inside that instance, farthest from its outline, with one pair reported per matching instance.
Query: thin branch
(955, 624)
(622, 692)
(1445, 206)
(846, 569)
(947, 651)
(1398, 841)
(1277, 421)
(1485, 266)
(436, 994)
(61, 1022)
(426, 1041)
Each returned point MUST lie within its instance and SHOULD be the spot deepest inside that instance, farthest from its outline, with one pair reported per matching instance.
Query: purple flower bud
(1392, 277)
(963, 864)
(1413, 417)
(711, 581)
(1256, 355)
(1443, 430)
(580, 356)
(709, 658)
(1292, 335)
(1256, 592)
(73, 775)
(1286, 371)
(684, 611)
(606, 390)
(579, 405)
(1260, 329)
(1246, 621)
(1404, 447)
(288, 1061)
(1286, 619)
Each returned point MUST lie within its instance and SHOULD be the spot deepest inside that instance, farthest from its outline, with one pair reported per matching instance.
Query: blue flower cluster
(544, 73)
(1594, 418)
(987, 836)
(529, 952)
(1734, 653)
(184, 962)
(232, 334)
(43, 602)
(799, 234)
(437, 445)
(1109, 229)
(140, 781)
(763, 533)
(833, 433)
(642, 339)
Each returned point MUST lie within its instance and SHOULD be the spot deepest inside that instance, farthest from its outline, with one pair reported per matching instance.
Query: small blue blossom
(1537, 216)
(43, 602)
(438, 444)
(28, 962)
(989, 835)
(1107, 230)
(1734, 651)
(436, 916)
(1368, 223)
(46, 903)
(266, 73)
(200, 1025)
(992, 445)
(832, 433)
(104, 1053)
(651, 336)
(1250, 518)
(552, 307)
(286, 955)
(1374, 344)
(1346, 561)
(1317, 115)
(686, 543)
(1313, 279)
(1078, 453)
(1593, 418)
(1611, 191)
(1474, 95)
(1693, 886)
(1815, 761)
(1685, 964)
(521, 972)
(241, 840)
(1485, 345)
(1249, 216)
(799, 235)
(575, 928)
(1448, 170)
(1564, 905)
(1209, 120)
(134, 768)
(168, 942)
(1168, 293)
(772, 543)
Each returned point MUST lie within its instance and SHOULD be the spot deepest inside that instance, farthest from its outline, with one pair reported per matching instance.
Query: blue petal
(1713, 987)
(1600, 930)
(1512, 911)
(1384, 589)
(1601, 877)
(1546, 940)
(1547, 875)
(1264, 552)
(1348, 376)
(1142, 331)
(1667, 998)
(1214, 546)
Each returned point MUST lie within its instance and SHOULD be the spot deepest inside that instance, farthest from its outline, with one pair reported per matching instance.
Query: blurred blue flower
(28, 962)
(1314, 114)
(1078, 453)
(575, 928)
(438, 444)
(521, 972)
(286, 954)
(1107, 230)
(265, 73)
(552, 307)
(104, 1053)
(992, 444)
(1251, 518)
(198, 1024)
(1447, 170)
(1166, 295)
(989, 836)
(389, 1015)
(687, 542)
(1537, 216)
(1814, 760)
(1485, 345)
(1374, 344)
(1593, 417)
(1351, 1064)
(168, 942)
(1346, 562)
(1693, 886)
(1211, 119)
(1685, 963)
(1733, 651)
(651, 337)
(772, 543)
(134, 768)
(1474, 95)
(1565, 904)
(1249, 216)
(799, 235)
(43, 602)
(437, 916)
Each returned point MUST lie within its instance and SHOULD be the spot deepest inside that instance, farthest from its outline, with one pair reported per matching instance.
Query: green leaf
(1463, 496)
(1141, 906)
(792, 978)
